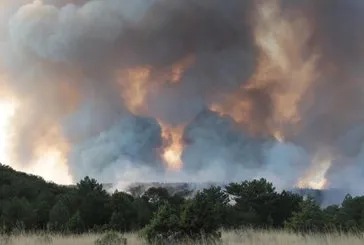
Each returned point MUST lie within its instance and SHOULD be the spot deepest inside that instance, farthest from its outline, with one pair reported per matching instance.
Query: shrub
(164, 227)
(198, 220)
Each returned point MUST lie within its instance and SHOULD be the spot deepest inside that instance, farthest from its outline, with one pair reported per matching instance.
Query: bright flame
(50, 159)
(173, 145)
(52, 166)
(315, 178)
(135, 84)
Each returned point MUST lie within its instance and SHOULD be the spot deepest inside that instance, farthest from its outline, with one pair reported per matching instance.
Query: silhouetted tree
(310, 218)
(95, 209)
(255, 202)
(59, 215)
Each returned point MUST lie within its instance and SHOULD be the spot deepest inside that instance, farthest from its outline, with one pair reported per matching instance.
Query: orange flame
(136, 83)
(50, 153)
(282, 42)
(134, 88)
(315, 177)
(50, 160)
(173, 145)
(179, 68)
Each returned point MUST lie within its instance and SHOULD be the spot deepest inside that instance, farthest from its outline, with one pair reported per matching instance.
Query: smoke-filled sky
(197, 90)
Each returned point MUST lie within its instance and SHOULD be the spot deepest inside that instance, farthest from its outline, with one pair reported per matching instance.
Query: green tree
(255, 202)
(331, 214)
(156, 196)
(202, 216)
(310, 218)
(144, 213)
(164, 226)
(59, 216)
(124, 213)
(94, 206)
(283, 208)
(351, 214)
(18, 212)
(75, 224)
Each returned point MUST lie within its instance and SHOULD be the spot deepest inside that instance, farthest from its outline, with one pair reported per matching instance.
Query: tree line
(29, 203)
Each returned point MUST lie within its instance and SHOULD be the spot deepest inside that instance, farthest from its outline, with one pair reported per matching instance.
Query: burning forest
(184, 91)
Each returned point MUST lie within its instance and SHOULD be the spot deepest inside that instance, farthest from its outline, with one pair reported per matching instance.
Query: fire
(240, 111)
(180, 67)
(315, 178)
(173, 145)
(134, 88)
(50, 160)
(137, 84)
(51, 164)
(284, 72)
(282, 42)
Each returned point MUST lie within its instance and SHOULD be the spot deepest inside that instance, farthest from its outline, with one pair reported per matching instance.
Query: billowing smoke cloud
(233, 90)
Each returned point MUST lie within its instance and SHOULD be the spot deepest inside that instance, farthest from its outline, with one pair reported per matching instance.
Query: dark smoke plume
(67, 62)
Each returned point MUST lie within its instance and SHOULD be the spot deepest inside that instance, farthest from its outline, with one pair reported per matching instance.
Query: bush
(198, 220)
(310, 218)
(111, 238)
(164, 228)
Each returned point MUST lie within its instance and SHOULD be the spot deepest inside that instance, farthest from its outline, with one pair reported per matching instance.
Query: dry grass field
(229, 238)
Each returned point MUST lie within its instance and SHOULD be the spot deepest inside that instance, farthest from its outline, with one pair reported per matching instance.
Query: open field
(229, 238)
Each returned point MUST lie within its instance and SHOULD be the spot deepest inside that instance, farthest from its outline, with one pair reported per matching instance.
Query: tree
(255, 202)
(285, 205)
(164, 226)
(331, 214)
(75, 224)
(156, 196)
(198, 218)
(144, 213)
(310, 218)
(351, 215)
(18, 212)
(94, 206)
(59, 216)
(124, 213)
(202, 216)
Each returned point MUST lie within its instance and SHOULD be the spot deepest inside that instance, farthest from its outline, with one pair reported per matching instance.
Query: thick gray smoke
(64, 60)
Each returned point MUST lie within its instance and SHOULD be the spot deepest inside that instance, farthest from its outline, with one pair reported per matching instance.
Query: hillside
(322, 197)
(29, 203)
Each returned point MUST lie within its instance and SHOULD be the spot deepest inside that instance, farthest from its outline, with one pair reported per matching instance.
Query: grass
(248, 237)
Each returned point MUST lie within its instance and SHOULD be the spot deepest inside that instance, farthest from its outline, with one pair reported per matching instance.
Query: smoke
(222, 91)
